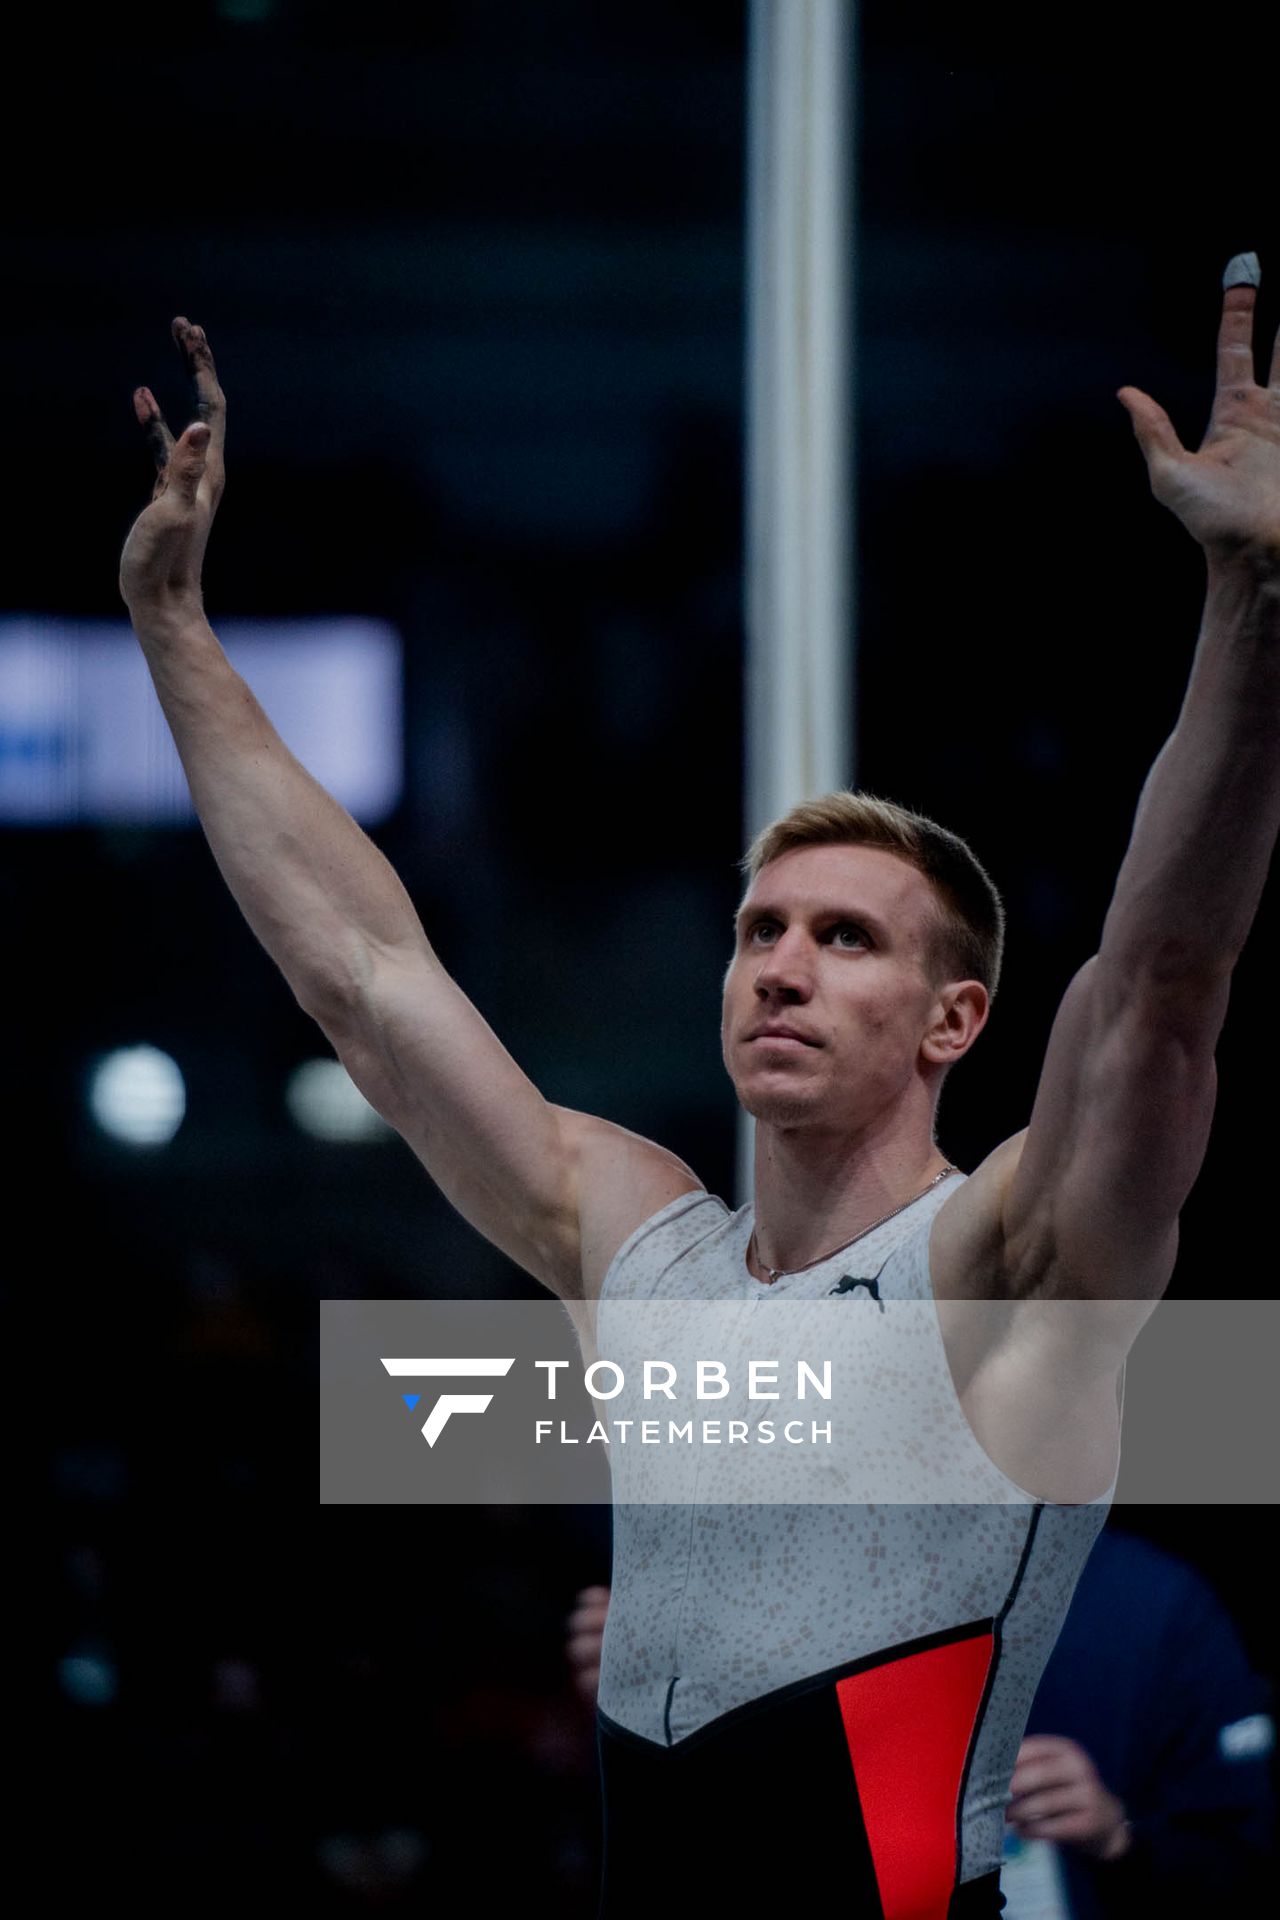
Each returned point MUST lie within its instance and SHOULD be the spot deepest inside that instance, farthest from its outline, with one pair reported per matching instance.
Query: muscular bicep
(1116, 1139)
(555, 1190)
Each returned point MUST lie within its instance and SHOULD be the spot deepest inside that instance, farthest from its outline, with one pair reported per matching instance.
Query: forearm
(314, 888)
(1208, 817)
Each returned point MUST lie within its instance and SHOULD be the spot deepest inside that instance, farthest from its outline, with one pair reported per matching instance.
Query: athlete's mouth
(775, 1032)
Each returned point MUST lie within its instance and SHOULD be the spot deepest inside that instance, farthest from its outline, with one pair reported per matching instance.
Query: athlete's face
(830, 1008)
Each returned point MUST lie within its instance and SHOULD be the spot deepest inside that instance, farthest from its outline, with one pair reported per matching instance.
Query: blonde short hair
(968, 938)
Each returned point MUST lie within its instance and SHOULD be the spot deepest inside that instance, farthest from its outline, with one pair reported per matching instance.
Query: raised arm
(1085, 1204)
(557, 1191)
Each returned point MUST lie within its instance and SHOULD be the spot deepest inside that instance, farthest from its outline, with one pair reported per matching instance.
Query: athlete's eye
(848, 935)
(760, 932)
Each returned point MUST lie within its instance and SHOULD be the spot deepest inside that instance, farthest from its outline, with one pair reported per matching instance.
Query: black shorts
(762, 1805)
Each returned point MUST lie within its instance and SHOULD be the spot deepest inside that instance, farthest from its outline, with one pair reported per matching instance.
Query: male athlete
(796, 1698)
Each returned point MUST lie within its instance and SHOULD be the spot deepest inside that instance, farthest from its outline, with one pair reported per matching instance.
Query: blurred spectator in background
(1145, 1769)
(585, 1638)
(1142, 1786)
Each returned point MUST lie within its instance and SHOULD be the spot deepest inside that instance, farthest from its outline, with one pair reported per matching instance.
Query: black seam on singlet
(666, 1711)
(988, 1687)
(1023, 1558)
(947, 1636)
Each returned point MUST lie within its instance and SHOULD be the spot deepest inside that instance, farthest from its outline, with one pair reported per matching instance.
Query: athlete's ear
(959, 1015)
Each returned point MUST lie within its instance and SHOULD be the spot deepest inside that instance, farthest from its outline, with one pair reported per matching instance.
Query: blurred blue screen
(83, 739)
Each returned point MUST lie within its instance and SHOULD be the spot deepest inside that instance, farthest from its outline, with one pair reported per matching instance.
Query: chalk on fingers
(1242, 271)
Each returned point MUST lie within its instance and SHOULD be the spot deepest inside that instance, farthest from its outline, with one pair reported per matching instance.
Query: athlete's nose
(786, 969)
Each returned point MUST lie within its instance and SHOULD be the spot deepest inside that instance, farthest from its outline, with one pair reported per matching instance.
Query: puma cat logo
(846, 1284)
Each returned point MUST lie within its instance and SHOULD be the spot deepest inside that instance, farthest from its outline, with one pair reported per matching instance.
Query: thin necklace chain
(776, 1273)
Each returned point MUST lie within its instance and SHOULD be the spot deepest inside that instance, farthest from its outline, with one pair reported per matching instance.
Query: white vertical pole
(799, 413)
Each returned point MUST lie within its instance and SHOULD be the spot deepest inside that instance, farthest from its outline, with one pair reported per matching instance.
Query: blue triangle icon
(410, 1400)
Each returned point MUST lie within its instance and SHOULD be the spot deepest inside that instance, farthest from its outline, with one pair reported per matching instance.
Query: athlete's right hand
(162, 557)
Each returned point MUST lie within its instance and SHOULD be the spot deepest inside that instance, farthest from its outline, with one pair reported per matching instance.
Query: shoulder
(1167, 1612)
(1126, 1571)
(1157, 1585)
(621, 1180)
(678, 1252)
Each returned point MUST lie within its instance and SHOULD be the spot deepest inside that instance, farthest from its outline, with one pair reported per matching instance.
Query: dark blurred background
(474, 277)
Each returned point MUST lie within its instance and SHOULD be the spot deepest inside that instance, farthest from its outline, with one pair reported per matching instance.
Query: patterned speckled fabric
(717, 1606)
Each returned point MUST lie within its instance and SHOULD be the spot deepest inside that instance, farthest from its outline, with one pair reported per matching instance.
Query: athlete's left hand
(1058, 1794)
(1227, 495)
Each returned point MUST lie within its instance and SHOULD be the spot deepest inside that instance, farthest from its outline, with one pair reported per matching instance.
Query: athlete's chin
(779, 1105)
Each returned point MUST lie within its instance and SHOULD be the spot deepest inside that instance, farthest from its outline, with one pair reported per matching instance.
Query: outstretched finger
(211, 402)
(1235, 330)
(1154, 429)
(147, 412)
(187, 462)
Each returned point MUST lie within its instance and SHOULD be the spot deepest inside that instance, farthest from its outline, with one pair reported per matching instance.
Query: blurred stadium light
(136, 1094)
(89, 1678)
(325, 1102)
